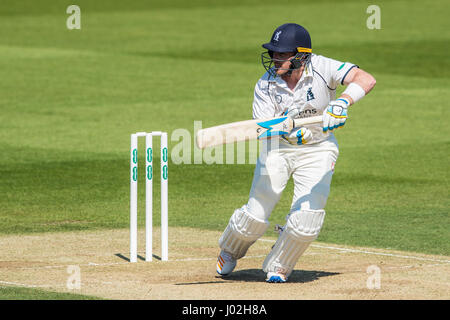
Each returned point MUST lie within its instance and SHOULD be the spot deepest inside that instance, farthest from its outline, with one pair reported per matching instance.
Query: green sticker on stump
(149, 155)
(164, 173)
(134, 173)
(149, 173)
(134, 156)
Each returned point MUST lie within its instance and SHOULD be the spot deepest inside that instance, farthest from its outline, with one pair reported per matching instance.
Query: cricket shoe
(225, 263)
(275, 277)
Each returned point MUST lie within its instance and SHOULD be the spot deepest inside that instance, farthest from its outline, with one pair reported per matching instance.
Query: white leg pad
(302, 228)
(241, 232)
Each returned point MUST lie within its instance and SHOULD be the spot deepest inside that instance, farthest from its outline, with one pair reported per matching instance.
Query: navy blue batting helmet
(289, 37)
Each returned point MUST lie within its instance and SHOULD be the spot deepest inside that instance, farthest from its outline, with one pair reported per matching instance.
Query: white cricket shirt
(310, 97)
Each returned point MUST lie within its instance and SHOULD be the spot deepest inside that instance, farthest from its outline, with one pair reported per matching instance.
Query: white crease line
(23, 285)
(91, 264)
(381, 253)
(191, 259)
(370, 252)
(210, 259)
(414, 266)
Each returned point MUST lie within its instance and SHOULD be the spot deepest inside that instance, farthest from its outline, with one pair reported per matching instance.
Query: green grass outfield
(69, 100)
(18, 293)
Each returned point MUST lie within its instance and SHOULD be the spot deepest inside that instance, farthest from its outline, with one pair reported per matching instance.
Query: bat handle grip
(305, 121)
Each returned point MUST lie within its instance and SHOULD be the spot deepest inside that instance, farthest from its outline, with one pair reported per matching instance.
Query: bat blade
(249, 130)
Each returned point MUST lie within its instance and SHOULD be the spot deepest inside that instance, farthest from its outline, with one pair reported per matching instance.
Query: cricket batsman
(297, 83)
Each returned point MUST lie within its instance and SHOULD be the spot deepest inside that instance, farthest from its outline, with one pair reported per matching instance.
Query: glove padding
(335, 114)
(299, 136)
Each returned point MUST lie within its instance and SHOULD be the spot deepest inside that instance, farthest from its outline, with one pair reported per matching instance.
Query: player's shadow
(297, 276)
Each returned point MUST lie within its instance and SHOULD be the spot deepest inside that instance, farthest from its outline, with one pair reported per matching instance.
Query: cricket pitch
(100, 258)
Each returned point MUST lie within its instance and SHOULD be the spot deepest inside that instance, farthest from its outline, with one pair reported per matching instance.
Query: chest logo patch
(309, 95)
(278, 99)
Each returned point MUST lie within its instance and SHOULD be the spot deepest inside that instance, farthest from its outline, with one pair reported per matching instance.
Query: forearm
(361, 84)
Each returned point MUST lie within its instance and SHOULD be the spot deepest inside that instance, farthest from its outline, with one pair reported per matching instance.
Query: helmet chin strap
(295, 64)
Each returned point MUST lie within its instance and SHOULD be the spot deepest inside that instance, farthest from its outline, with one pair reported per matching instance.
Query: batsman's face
(281, 61)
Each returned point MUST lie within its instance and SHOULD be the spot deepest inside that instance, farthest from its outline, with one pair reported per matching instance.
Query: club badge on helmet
(289, 37)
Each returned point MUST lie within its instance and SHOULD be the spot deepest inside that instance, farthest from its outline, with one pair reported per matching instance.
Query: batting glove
(299, 136)
(335, 114)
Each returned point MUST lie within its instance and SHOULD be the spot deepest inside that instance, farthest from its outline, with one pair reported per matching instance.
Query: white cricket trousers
(311, 167)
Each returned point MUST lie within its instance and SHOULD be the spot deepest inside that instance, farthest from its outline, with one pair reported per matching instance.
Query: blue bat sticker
(268, 125)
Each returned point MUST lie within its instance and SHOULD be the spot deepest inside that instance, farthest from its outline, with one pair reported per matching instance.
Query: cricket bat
(250, 130)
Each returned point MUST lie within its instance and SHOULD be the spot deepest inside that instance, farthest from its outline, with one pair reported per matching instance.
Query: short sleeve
(263, 107)
(342, 71)
(335, 71)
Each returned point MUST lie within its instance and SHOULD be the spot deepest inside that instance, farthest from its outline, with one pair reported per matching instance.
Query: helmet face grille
(302, 58)
(267, 60)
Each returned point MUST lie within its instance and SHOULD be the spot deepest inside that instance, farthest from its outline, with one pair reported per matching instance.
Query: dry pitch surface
(47, 261)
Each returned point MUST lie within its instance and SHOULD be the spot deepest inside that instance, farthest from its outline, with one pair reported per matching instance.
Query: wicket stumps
(148, 195)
